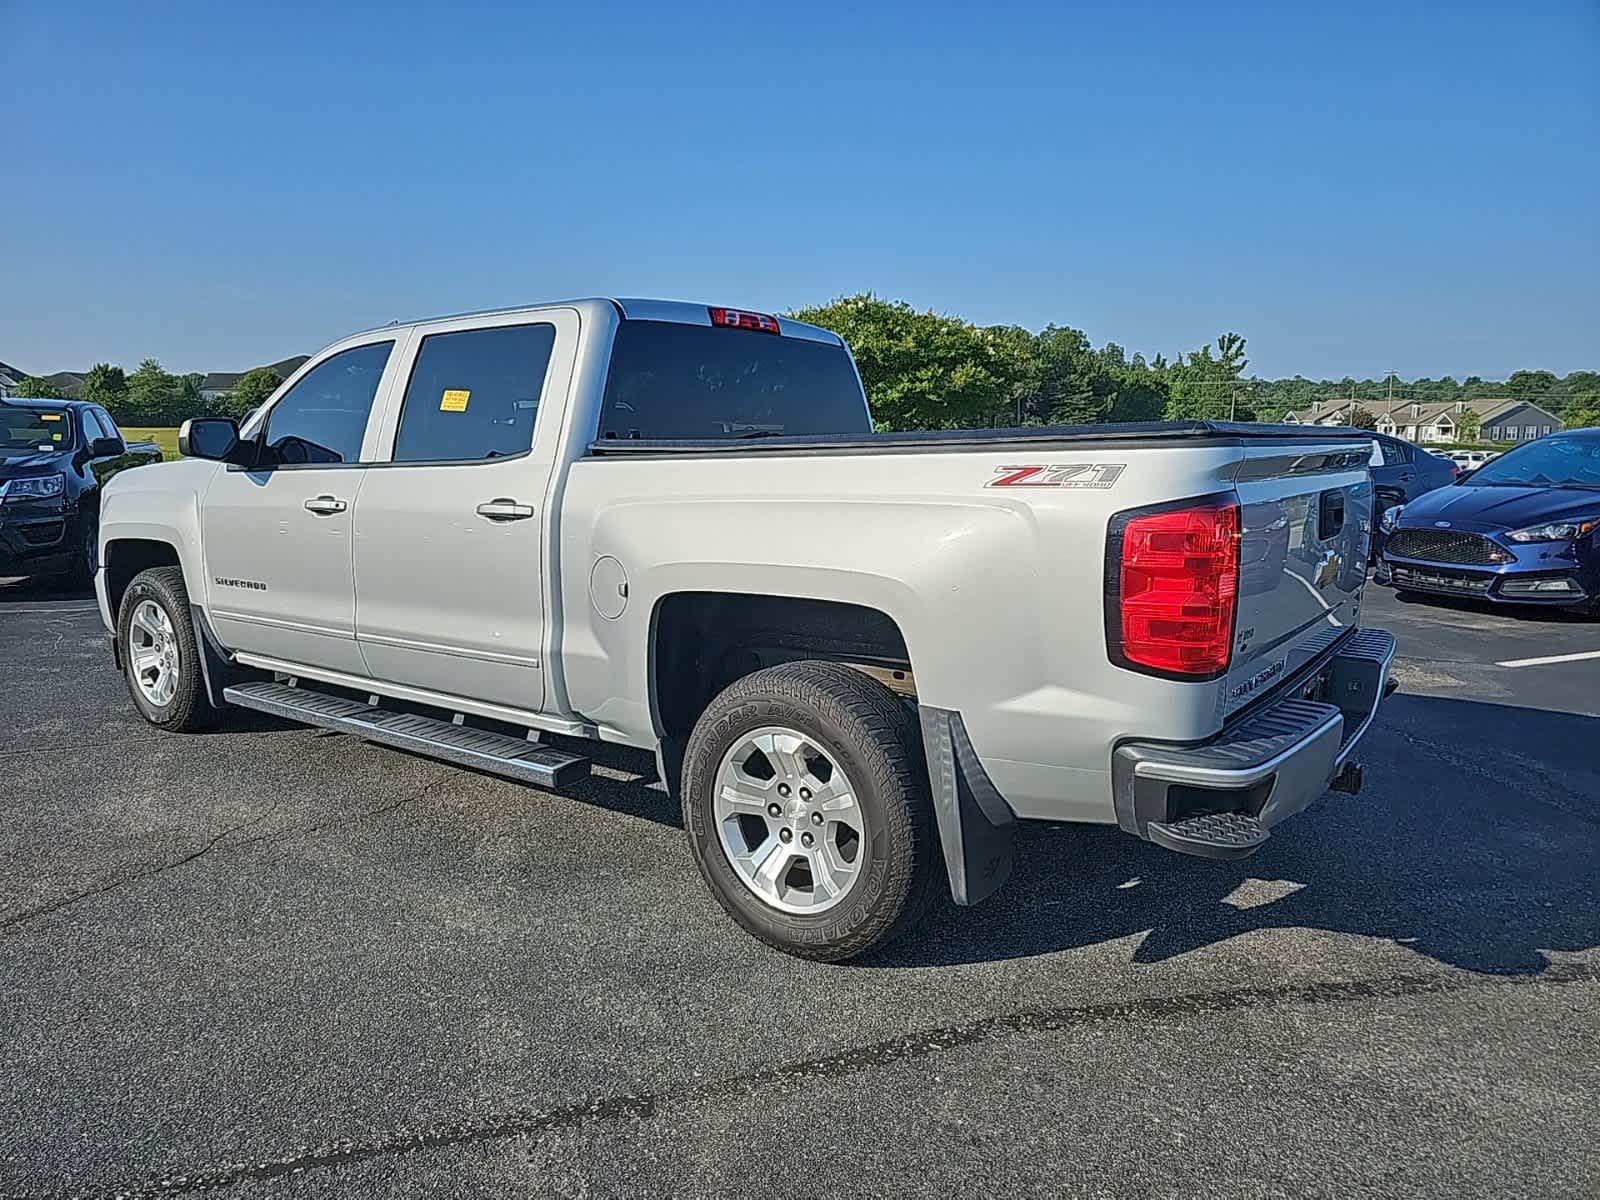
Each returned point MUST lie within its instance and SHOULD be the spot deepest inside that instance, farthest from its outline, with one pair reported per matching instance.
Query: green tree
(1531, 385)
(251, 391)
(1015, 354)
(107, 386)
(1203, 385)
(1468, 425)
(34, 388)
(1363, 418)
(922, 370)
(1067, 377)
(188, 398)
(1583, 412)
(152, 395)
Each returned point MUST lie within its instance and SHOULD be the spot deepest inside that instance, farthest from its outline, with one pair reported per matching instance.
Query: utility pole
(1390, 376)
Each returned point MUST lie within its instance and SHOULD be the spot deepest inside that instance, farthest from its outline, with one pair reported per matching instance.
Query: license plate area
(1439, 581)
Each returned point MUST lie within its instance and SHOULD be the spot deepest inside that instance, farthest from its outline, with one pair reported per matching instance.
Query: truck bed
(927, 441)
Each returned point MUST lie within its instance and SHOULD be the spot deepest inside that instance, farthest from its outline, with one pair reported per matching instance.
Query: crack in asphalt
(1579, 806)
(642, 1106)
(10, 924)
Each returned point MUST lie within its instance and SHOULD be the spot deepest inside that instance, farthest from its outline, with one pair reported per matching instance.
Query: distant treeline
(926, 370)
(154, 396)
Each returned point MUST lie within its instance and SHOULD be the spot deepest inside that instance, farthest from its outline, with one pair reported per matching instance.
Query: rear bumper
(1218, 799)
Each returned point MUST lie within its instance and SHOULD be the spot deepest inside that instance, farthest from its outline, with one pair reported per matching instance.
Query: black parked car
(1401, 472)
(54, 455)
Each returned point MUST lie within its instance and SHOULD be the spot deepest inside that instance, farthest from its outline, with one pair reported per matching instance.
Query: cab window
(473, 394)
(323, 418)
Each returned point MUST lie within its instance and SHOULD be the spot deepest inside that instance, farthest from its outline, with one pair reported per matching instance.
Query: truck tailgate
(1305, 521)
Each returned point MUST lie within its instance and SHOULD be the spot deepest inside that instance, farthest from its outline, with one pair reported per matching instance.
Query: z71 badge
(1065, 475)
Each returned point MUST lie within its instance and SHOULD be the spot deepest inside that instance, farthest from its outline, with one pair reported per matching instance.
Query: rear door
(276, 537)
(1306, 513)
(450, 530)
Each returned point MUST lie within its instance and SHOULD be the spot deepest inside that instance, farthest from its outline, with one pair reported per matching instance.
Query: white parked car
(1471, 460)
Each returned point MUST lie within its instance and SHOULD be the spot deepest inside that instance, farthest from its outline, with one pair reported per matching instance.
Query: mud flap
(669, 764)
(976, 825)
(217, 668)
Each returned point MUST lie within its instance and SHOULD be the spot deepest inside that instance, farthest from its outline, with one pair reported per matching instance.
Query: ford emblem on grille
(1441, 524)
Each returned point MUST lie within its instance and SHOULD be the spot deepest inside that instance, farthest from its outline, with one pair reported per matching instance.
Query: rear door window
(670, 380)
(474, 394)
(323, 418)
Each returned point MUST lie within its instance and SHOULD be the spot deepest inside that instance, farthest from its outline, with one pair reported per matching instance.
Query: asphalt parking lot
(274, 962)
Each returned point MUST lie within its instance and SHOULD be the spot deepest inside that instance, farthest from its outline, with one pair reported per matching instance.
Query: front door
(449, 533)
(276, 535)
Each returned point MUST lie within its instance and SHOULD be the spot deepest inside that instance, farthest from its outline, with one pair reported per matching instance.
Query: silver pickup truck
(859, 658)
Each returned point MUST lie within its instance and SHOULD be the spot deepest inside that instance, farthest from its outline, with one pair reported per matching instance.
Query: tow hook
(1347, 780)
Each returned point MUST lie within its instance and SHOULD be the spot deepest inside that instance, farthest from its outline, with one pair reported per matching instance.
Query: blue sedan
(1524, 528)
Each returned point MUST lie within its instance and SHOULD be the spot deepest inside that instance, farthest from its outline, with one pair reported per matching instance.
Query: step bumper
(1219, 798)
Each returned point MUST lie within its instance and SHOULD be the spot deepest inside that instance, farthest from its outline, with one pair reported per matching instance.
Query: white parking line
(1552, 658)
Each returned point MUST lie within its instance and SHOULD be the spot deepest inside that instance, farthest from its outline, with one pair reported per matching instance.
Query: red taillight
(1177, 589)
(733, 318)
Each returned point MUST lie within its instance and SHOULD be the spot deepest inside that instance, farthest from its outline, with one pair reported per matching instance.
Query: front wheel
(805, 798)
(160, 656)
(86, 555)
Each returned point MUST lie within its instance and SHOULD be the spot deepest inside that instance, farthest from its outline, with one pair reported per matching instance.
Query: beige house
(1423, 424)
(1414, 421)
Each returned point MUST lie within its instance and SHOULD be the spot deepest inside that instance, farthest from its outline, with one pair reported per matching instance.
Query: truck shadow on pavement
(40, 590)
(1475, 842)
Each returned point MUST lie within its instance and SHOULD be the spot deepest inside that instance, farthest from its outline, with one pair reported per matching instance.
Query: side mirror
(208, 437)
(107, 447)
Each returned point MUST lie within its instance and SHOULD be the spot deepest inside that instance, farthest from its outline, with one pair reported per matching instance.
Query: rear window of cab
(673, 380)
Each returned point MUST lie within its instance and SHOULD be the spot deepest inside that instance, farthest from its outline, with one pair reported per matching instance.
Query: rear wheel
(806, 803)
(160, 657)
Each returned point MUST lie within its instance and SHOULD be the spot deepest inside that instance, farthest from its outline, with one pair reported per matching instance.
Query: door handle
(502, 509)
(325, 506)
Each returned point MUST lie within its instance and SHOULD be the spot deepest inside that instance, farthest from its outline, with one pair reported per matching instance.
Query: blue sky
(1355, 187)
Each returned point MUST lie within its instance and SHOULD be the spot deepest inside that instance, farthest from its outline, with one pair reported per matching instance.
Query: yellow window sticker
(49, 416)
(454, 400)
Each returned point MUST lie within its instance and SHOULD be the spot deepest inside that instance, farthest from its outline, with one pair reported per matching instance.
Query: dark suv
(54, 455)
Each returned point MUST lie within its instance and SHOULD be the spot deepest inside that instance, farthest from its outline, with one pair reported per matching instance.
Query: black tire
(81, 573)
(874, 738)
(188, 709)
